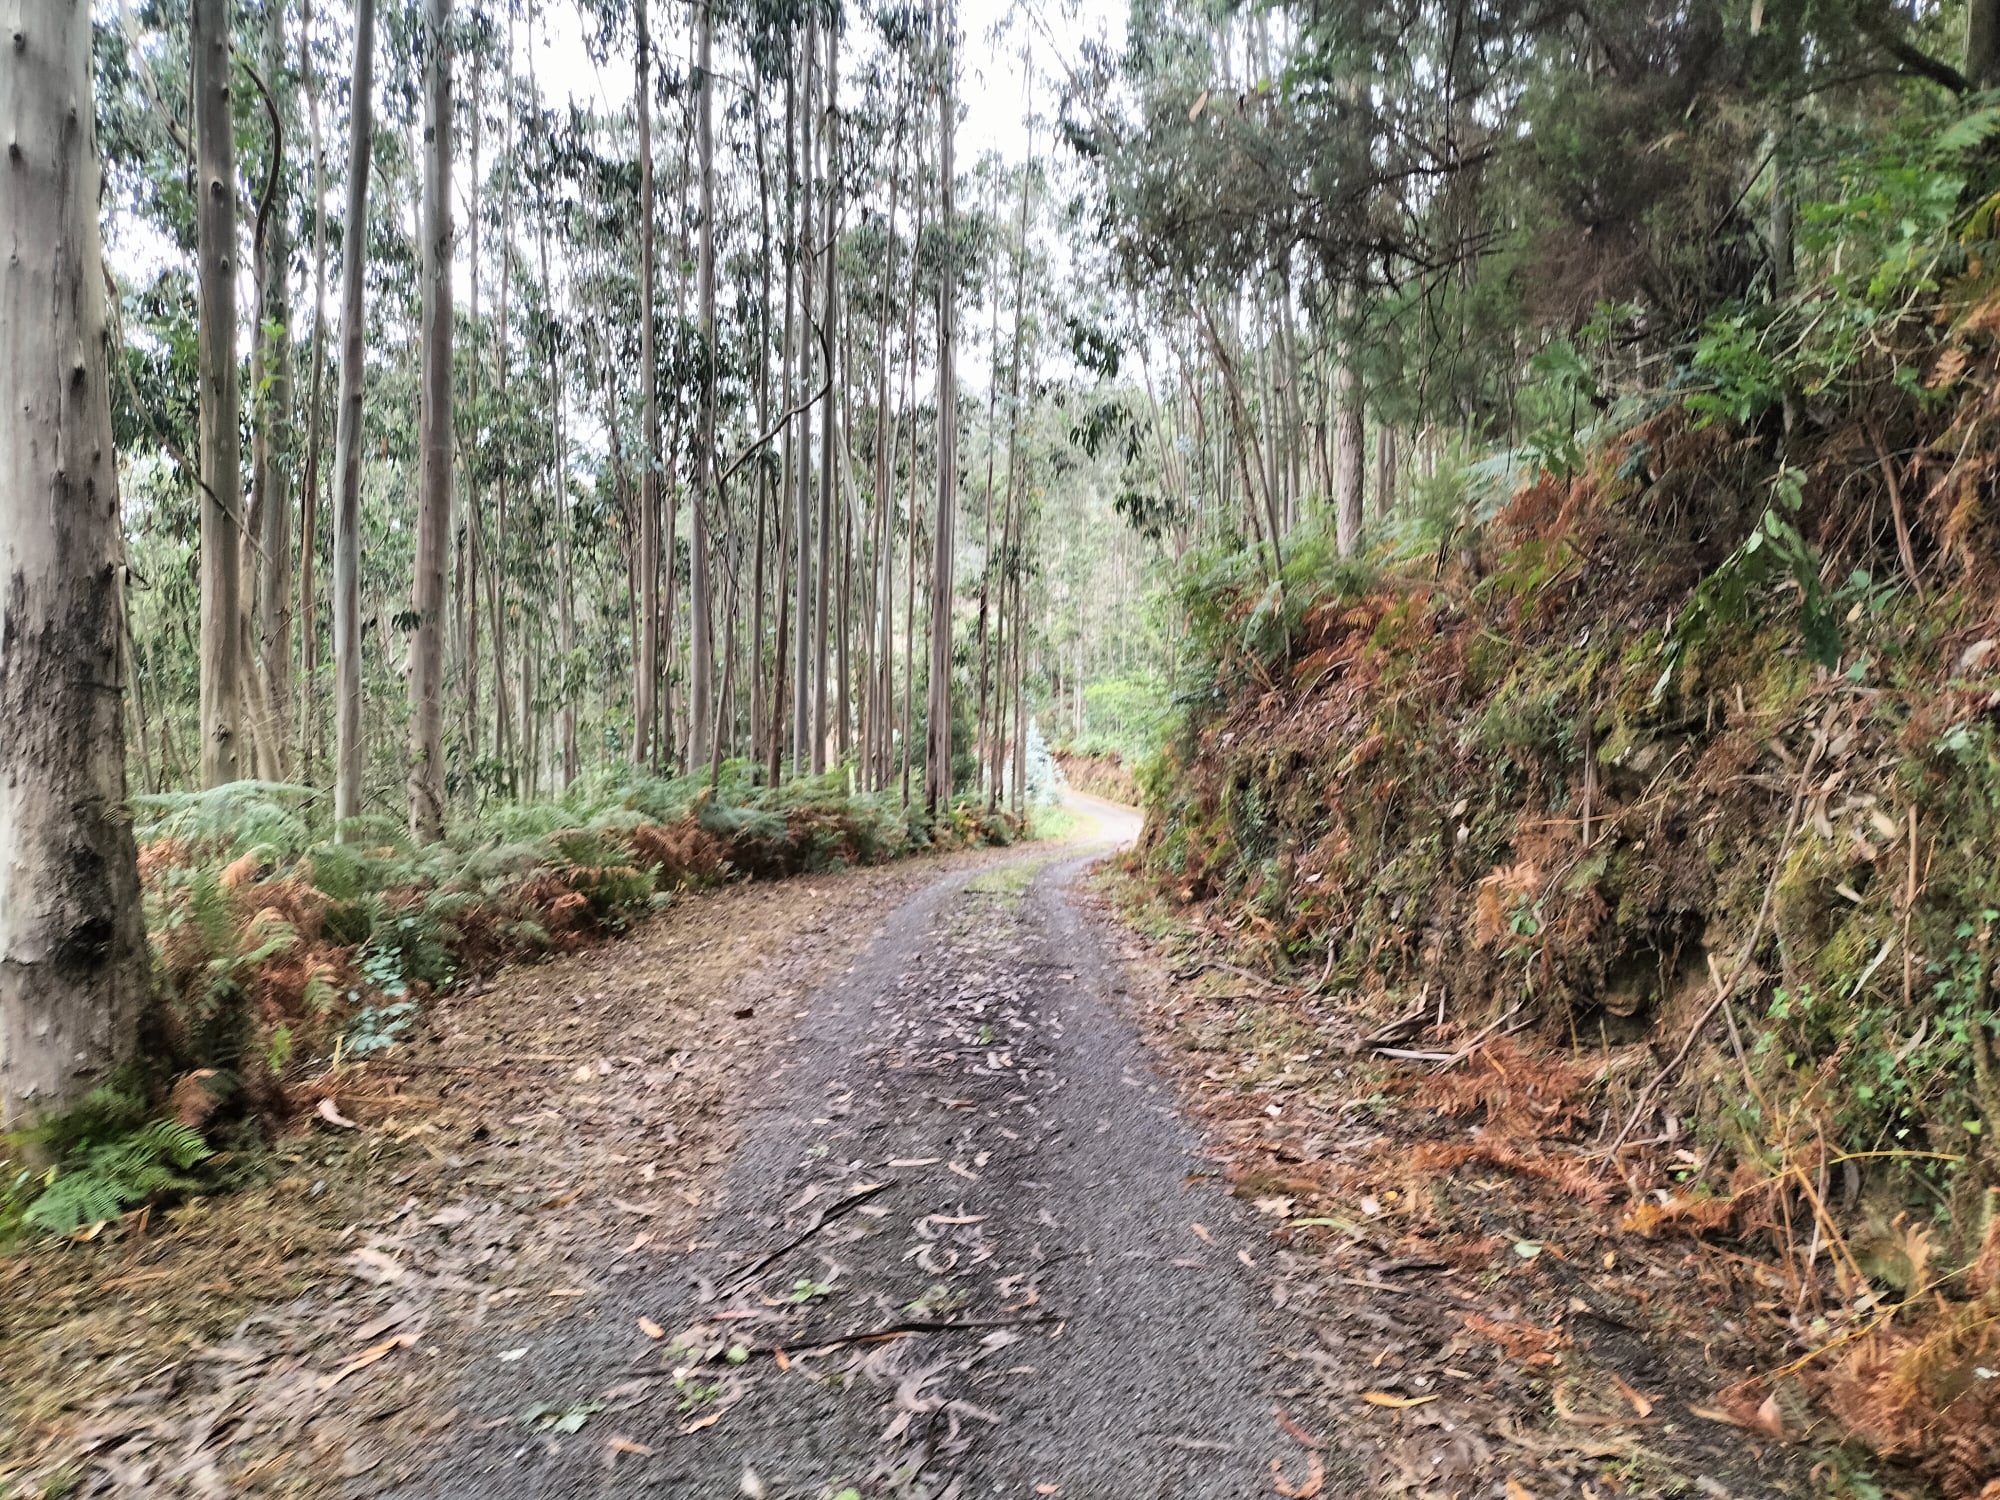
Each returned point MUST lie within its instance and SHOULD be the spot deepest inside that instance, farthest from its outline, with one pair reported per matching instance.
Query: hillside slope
(1675, 768)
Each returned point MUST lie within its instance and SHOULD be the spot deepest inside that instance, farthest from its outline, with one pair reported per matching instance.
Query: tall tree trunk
(937, 769)
(801, 102)
(913, 527)
(880, 688)
(758, 708)
(221, 456)
(272, 453)
(1385, 470)
(830, 191)
(645, 695)
(1349, 494)
(475, 546)
(348, 743)
(506, 743)
(1982, 43)
(425, 783)
(669, 744)
(1013, 451)
(315, 419)
(701, 642)
(73, 962)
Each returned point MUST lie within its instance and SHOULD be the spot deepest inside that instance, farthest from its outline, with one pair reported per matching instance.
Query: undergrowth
(1693, 737)
(279, 949)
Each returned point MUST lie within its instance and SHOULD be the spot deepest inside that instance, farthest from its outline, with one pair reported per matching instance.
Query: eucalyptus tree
(647, 674)
(701, 669)
(268, 645)
(426, 782)
(212, 55)
(938, 704)
(73, 962)
(349, 748)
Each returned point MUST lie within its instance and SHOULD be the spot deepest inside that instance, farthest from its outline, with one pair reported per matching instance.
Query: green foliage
(1124, 715)
(1558, 407)
(266, 816)
(1733, 597)
(1885, 1077)
(110, 1158)
(1878, 242)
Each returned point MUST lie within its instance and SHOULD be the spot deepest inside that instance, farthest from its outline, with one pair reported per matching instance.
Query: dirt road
(967, 1247)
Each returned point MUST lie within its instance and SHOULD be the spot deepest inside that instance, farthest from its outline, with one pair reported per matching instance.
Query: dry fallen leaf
(1201, 1233)
(366, 1358)
(1387, 1398)
(651, 1329)
(330, 1112)
(708, 1421)
(1771, 1417)
(1315, 1479)
(1640, 1404)
(1517, 1490)
(626, 1445)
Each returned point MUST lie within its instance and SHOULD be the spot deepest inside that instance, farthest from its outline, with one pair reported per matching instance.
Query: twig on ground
(827, 1215)
(1453, 1059)
(899, 1330)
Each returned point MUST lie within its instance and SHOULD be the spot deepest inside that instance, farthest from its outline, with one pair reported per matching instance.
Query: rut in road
(965, 1145)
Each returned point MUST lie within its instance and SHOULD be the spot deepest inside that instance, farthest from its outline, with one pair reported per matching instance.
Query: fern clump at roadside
(280, 950)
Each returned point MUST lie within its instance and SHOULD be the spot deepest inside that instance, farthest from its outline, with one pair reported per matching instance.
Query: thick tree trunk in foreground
(73, 963)
(221, 456)
(426, 774)
(348, 743)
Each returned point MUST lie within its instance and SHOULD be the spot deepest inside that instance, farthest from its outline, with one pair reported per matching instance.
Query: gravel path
(1008, 1272)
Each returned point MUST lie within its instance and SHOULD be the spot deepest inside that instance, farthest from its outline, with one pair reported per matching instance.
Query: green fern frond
(120, 1174)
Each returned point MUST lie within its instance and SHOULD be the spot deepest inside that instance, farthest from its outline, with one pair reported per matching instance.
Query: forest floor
(863, 1185)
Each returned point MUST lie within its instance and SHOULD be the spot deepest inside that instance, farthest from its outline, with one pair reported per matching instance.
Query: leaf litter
(261, 1342)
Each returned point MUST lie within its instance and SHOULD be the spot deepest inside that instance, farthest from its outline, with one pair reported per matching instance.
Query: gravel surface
(966, 1246)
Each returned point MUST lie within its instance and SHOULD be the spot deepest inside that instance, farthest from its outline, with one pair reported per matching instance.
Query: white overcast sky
(990, 82)
(992, 101)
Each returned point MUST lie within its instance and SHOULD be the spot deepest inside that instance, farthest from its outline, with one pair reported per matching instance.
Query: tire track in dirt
(1071, 1312)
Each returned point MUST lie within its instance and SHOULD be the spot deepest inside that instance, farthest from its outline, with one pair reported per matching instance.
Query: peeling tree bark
(73, 963)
